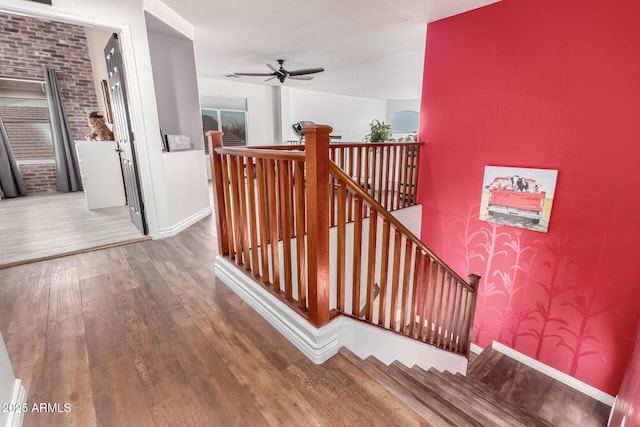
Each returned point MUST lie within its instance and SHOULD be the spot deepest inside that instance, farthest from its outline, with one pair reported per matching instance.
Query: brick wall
(28, 45)
(39, 178)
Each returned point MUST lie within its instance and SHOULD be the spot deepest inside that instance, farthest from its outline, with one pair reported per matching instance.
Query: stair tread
(396, 389)
(472, 403)
(436, 401)
(477, 388)
(498, 398)
(494, 398)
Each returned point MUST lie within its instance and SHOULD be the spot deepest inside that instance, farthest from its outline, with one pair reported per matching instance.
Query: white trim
(184, 224)
(18, 399)
(36, 162)
(557, 375)
(476, 349)
(321, 344)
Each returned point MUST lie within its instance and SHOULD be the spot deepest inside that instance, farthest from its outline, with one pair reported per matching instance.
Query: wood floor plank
(103, 323)
(66, 377)
(118, 395)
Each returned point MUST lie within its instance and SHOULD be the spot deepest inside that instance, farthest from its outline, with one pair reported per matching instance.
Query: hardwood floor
(144, 334)
(41, 226)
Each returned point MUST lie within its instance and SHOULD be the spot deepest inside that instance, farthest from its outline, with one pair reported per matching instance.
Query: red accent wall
(554, 85)
(628, 401)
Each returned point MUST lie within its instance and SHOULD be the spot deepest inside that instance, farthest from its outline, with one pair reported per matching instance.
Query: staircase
(445, 399)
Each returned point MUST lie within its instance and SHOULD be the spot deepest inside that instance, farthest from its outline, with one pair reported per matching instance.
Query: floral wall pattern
(515, 85)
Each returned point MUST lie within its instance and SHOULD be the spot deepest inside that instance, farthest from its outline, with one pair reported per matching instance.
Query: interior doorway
(29, 224)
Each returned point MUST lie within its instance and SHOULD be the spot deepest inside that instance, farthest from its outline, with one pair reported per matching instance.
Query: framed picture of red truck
(519, 197)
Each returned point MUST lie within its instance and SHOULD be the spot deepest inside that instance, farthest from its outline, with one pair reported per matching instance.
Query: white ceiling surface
(369, 48)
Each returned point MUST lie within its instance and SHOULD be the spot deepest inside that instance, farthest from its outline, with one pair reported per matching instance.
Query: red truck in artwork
(515, 196)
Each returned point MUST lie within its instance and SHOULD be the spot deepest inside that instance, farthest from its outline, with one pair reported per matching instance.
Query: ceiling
(369, 48)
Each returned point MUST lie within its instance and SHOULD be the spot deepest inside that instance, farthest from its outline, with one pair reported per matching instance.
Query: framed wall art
(518, 197)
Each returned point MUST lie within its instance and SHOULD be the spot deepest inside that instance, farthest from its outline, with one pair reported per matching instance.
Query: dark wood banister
(335, 170)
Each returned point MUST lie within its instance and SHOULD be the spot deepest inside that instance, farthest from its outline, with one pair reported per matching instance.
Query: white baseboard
(320, 344)
(476, 349)
(184, 224)
(557, 375)
(19, 398)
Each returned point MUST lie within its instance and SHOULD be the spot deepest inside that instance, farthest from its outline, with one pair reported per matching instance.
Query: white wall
(396, 105)
(96, 41)
(349, 116)
(175, 80)
(260, 111)
(9, 386)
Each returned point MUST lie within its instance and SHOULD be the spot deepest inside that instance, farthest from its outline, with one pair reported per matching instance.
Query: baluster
(371, 265)
(414, 291)
(285, 224)
(393, 203)
(426, 286)
(433, 318)
(406, 286)
(273, 222)
(242, 220)
(252, 216)
(357, 257)
(351, 175)
(455, 316)
(235, 205)
(379, 168)
(395, 278)
(264, 221)
(384, 271)
(300, 234)
(229, 209)
(341, 252)
(402, 185)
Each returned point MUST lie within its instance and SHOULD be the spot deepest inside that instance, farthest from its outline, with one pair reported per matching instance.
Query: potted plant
(378, 132)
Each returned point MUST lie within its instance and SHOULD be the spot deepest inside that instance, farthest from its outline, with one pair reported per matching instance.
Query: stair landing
(498, 391)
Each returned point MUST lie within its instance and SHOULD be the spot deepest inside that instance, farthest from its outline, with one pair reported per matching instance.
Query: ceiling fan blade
(306, 71)
(275, 70)
(301, 77)
(270, 78)
(255, 74)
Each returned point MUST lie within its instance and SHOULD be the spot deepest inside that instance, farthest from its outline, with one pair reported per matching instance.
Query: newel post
(472, 298)
(218, 181)
(317, 164)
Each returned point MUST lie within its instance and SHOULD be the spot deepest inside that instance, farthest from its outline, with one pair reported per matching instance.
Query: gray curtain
(11, 182)
(67, 169)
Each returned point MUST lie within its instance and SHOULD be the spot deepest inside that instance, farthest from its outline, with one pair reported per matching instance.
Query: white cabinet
(101, 174)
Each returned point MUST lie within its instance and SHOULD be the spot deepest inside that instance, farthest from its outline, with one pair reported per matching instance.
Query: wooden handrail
(262, 153)
(335, 170)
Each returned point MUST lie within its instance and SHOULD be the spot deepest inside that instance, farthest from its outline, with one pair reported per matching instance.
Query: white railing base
(320, 344)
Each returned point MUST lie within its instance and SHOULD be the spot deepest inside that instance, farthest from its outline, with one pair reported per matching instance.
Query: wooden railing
(419, 295)
(274, 208)
(387, 171)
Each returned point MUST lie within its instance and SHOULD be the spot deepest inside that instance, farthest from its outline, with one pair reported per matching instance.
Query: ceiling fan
(282, 74)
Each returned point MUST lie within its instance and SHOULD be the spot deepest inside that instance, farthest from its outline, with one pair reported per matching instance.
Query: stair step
(483, 363)
(396, 389)
(495, 397)
(491, 401)
(445, 406)
(471, 403)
